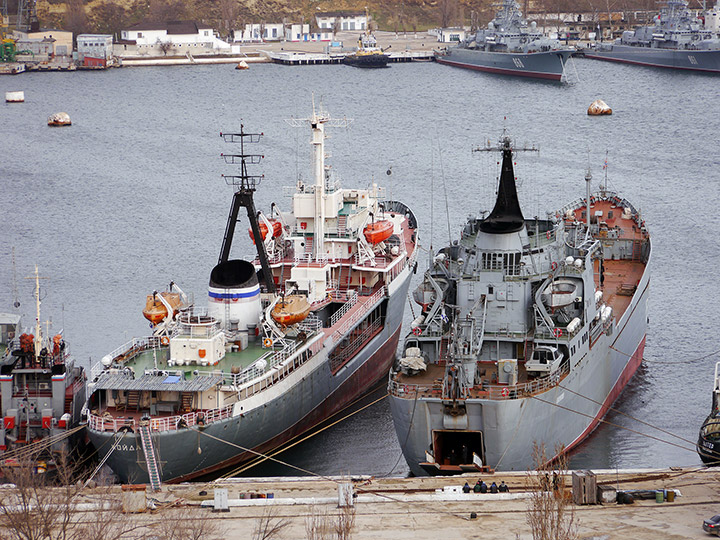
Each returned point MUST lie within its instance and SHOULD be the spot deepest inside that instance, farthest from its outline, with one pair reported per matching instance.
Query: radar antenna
(245, 186)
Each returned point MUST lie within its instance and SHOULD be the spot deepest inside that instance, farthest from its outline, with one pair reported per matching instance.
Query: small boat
(378, 231)
(158, 305)
(291, 310)
(276, 228)
(367, 54)
(708, 445)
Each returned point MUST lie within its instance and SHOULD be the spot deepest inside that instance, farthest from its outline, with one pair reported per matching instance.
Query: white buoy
(15, 97)
(242, 65)
(59, 119)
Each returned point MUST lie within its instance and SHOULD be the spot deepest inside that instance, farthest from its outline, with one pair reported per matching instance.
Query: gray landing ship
(676, 40)
(529, 330)
(509, 46)
(285, 342)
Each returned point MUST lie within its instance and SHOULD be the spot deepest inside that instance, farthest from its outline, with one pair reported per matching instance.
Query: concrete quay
(431, 508)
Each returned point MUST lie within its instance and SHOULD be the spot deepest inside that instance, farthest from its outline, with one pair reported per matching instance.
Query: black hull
(367, 61)
(709, 448)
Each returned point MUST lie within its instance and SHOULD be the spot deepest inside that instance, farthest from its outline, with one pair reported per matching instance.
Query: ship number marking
(692, 59)
(518, 63)
(126, 448)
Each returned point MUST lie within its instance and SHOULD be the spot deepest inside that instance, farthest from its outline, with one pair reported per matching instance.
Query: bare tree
(76, 19)
(228, 15)
(108, 18)
(269, 525)
(345, 522)
(165, 46)
(550, 513)
(187, 524)
(448, 12)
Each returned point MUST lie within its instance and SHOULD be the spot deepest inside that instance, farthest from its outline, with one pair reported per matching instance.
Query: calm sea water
(130, 197)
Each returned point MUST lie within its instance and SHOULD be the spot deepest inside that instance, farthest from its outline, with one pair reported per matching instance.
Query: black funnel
(506, 217)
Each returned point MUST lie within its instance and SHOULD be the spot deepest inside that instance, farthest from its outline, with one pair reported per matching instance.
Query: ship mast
(245, 186)
(317, 122)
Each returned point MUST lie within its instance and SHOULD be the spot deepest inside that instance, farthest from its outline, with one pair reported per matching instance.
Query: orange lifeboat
(379, 231)
(276, 227)
(291, 310)
(155, 311)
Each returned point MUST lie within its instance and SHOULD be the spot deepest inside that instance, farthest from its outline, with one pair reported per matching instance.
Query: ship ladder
(342, 226)
(480, 333)
(150, 458)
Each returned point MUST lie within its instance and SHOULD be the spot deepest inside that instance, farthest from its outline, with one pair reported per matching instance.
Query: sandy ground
(398, 509)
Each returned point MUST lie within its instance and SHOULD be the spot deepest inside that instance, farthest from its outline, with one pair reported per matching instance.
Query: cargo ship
(529, 329)
(286, 340)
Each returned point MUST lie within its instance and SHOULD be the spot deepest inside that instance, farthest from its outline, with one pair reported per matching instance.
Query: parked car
(712, 525)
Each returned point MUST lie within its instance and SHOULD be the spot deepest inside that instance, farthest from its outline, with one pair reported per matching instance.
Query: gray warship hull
(684, 59)
(298, 401)
(548, 65)
(564, 415)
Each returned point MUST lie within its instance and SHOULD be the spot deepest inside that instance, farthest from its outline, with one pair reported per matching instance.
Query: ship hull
(557, 417)
(690, 60)
(540, 65)
(367, 60)
(300, 401)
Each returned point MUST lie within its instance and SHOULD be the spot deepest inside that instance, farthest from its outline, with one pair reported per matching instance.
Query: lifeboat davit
(379, 231)
(291, 310)
(155, 311)
(276, 227)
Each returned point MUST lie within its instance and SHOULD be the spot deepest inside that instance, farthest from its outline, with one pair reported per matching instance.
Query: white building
(450, 35)
(256, 33)
(94, 45)
(346, 20)
(301, 32)
(175, 32)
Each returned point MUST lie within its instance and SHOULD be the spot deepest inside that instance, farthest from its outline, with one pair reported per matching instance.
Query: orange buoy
(290, 310)
(378, 231)
(276, 226)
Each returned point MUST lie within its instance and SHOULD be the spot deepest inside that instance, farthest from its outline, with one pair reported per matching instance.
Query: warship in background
(676, 39)
(42, 394)
(529, 330)
(509, 46)
(285, 342)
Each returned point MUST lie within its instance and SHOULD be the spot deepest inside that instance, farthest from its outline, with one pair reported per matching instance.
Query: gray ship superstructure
(676, 39)
(285, 342)
(510, 46)
(529, 330)
(42, 393)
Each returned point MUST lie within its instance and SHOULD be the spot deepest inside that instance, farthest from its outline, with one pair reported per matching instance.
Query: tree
(76, 19)
(109, 18)
(167, 10)
(550, 513)
(165, 46)
(448, 12)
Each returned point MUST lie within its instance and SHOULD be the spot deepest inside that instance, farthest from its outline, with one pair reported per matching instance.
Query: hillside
(110, 16)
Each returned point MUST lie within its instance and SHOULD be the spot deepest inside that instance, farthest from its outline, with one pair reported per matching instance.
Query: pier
(297, 58)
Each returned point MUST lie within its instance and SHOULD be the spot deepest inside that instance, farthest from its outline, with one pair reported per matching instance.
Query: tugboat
(509, 46)
(285, 341)
(708, 445)
(367, 54)
(676, 40)
(43, 393)
(529, 330)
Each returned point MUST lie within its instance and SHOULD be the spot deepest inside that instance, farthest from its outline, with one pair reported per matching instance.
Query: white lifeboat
(560, 293)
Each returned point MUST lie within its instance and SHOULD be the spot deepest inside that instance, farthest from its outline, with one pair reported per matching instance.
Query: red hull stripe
(620, 384)
(648, 64)
(502, 71)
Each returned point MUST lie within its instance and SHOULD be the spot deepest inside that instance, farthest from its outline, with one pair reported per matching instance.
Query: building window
(140, 34)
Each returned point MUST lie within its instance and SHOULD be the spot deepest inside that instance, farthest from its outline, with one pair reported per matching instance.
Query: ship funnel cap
(506, 216)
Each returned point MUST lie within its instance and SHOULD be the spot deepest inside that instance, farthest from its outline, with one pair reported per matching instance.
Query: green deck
(241, 359)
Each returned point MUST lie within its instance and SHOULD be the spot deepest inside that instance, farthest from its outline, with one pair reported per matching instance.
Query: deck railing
(126, 351)
(164, 423)
(360, 313)
(494, 392)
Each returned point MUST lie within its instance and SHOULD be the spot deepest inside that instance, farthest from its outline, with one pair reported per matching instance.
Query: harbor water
(131, 197)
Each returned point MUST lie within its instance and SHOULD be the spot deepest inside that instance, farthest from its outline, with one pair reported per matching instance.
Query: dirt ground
(398, 509)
